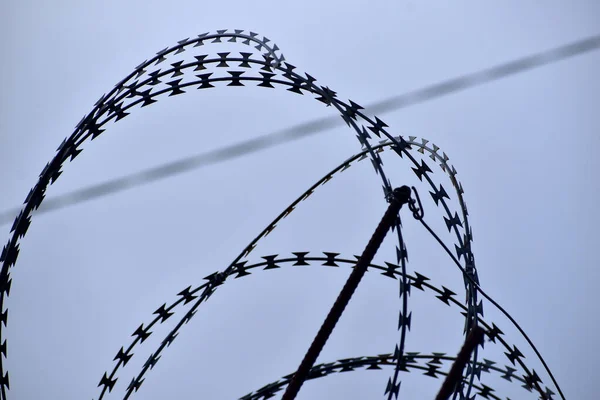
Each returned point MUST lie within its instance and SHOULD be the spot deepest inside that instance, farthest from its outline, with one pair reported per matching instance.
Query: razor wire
(266, 67)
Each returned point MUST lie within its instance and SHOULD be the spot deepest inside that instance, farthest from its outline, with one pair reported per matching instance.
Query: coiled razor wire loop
(432, 369)
(143, 88)
(329, 260)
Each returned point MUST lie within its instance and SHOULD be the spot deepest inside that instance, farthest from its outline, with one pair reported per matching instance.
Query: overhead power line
(312, 127)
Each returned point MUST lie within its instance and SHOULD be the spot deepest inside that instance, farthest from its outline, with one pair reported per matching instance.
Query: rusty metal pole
(400, 196)
(474, 338)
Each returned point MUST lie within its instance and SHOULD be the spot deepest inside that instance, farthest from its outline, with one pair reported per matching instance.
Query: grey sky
(88, 276)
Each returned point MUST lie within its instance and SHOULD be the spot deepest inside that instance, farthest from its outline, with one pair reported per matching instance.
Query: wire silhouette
(310, 128)
(266, 67)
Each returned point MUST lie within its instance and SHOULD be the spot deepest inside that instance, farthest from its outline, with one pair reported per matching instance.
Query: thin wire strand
(306, 129)
(498, 306)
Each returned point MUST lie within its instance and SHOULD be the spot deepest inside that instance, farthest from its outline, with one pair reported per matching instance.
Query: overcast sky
(88, 276)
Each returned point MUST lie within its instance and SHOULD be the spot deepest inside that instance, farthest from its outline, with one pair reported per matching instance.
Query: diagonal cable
(306, 129)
